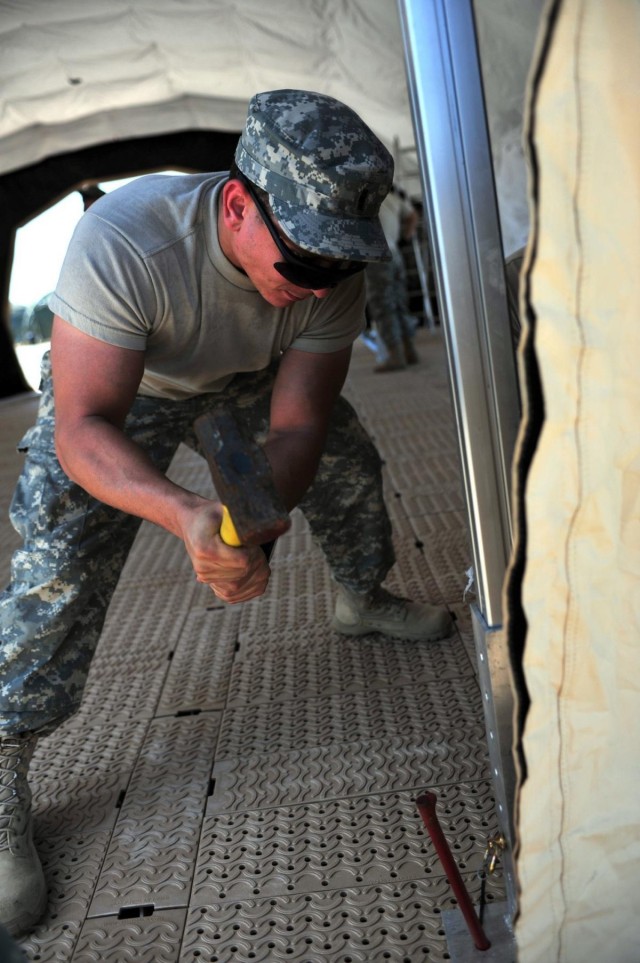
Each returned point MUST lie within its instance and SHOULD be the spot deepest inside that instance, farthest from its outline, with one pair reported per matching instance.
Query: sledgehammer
(252, 510)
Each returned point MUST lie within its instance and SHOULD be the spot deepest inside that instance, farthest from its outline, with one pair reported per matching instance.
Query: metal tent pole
(447, 102)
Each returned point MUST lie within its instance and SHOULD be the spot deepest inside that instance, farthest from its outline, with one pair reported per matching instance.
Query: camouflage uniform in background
(75, 547)
(388, 299)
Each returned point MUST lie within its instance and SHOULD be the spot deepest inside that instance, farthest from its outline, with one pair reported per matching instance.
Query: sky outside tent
(41, 244)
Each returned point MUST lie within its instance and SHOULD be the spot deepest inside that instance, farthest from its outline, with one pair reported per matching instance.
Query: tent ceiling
(74, 74)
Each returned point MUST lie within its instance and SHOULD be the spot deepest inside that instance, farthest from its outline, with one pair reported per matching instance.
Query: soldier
(177, 294)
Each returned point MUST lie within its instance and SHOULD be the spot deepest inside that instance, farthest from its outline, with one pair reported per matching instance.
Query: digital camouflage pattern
(388, 301)
(75, 547)
(325, 171)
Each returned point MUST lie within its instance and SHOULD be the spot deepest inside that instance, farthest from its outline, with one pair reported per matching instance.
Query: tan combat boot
(398, 618)
(23, 893)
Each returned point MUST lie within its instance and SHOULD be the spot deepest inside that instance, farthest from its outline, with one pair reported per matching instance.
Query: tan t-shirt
(144, 270)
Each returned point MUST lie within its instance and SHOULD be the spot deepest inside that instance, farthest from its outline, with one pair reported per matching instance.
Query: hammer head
(242, 477)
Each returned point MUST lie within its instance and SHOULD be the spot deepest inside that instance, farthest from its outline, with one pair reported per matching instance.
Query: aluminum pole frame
(445, 89)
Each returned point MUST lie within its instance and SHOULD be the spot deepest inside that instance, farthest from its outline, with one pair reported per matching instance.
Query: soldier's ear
(234, 204)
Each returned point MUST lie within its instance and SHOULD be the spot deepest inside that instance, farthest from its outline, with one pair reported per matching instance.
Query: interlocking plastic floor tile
(79, 773)
(444, 498)
(128, 691)
(408, 711)
(431, 525)
(299, 575)
(347, 842)
(271, 612)
(190, 470)
(328, 772)
(71, 866)
(52, 942)
(156, 554)
(399, 923)
(146, 939)
(449, 556)
(146, 617)
(153, 846)
(420, 456)
(297, 546)
(200, 669)
(290, 664)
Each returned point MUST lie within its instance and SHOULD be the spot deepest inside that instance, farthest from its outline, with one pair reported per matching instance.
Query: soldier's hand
(234, 574)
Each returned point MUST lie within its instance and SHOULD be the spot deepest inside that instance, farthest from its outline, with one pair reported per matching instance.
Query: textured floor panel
(403, 418)
(432, 525)
(146, 939)
(190, 470)
(421, 455)
(272, 612)
(156, 557)
(153, 846)
(118, 689)
(330, 772)
(295, 576)
(296, 545)
(146, 617)
(79, 773)
(71, 865)
(334, 845)
(400, 923)
(289, 664)
(450, 557)
(409, 711)
(425, 474)
(51, 942)
(200, 669)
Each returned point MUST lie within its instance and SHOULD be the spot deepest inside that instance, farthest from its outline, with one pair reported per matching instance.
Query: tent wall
(578, 825)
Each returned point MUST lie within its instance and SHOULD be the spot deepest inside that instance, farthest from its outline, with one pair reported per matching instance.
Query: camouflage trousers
(387, 299)
(74, 547)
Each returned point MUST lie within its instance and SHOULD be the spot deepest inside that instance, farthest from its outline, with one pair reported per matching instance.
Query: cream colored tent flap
(579, 813)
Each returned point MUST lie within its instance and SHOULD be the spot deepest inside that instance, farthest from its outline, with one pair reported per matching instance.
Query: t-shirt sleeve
(337, 320)
(104, 288)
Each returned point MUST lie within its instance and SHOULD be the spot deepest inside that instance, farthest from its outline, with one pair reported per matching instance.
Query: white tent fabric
(578, 822)
(74, 74)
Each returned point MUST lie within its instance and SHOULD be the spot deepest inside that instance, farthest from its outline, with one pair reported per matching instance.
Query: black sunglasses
(302, 271)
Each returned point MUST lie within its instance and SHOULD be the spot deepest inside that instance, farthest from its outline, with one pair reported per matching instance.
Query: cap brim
(347, 238)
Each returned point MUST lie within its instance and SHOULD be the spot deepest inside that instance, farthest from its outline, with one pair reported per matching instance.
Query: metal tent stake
(426, 804)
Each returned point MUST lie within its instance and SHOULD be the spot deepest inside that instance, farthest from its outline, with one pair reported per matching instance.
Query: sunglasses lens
(316, 278)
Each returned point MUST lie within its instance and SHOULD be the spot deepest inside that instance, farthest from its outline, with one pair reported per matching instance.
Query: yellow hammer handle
(228, 532)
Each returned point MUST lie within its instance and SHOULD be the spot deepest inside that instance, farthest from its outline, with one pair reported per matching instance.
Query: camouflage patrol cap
(325, 171)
